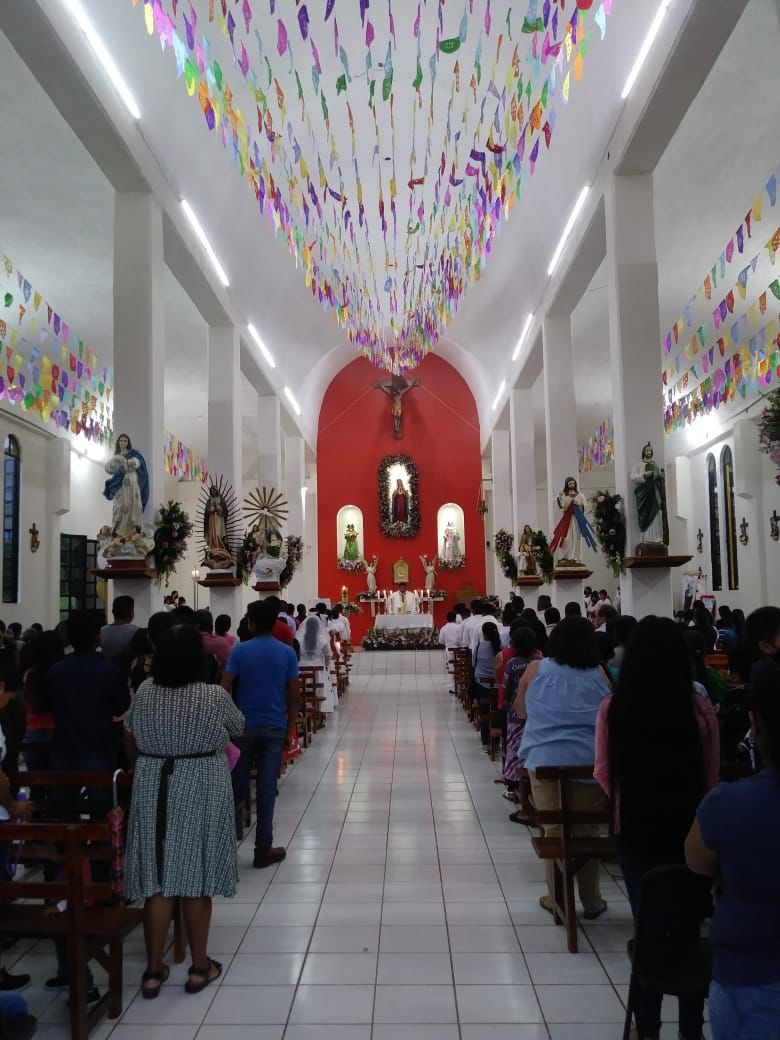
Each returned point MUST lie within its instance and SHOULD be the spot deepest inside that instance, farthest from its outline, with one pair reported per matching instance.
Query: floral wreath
(452, 565)
(397, 528)
(352, 566)
(502, 544)
(610, 526)
(172, 529)
(293, 558)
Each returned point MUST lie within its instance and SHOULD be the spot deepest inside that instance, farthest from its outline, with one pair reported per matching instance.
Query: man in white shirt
(449, 637)
(472, 627)
(402, 601)
(340, 625)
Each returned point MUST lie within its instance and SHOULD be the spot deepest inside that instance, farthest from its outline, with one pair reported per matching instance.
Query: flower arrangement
(452, 565)
(769, 430)
(293, 558)
(397, 528)
(402, 639)
(171, 531)
(610, 526)
(545, 560)
(502, 545)
(351, 608)
(246, 556)
(352, 566)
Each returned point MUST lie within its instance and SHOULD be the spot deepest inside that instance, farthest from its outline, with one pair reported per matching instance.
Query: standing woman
(181, 833)
(316, 653)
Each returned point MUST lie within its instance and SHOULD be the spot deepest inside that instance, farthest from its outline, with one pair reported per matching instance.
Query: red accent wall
(441, 436)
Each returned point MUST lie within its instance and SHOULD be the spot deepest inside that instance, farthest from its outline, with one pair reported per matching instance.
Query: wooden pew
(96, 930)
(569, 852)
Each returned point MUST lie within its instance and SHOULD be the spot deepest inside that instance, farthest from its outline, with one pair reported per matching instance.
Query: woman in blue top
(560, 698)
(736, 838)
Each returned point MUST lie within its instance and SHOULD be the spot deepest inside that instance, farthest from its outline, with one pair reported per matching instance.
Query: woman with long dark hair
(657, 753)
(526, 650)
(484, 658)
(736, 838)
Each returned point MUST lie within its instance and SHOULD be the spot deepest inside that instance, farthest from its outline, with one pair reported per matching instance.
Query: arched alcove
(347, 515)
(450, 518)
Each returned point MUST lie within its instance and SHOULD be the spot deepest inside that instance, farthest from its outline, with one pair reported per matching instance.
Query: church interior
(404, 311)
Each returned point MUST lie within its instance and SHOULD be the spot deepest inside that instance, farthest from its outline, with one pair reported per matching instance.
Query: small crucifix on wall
(744, 537)
(700, 541)
(395, 390)
(35, 541)
(774, 526)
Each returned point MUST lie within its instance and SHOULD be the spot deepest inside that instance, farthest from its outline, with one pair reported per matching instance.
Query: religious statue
(395, 390)
(399, 508)
(573, 525)
(371, 575)
(429, 566)
(127, 488)
(650, 495)
(351, 550)
(265, 511)
(217, 555)
(526, 554)
(450, 547)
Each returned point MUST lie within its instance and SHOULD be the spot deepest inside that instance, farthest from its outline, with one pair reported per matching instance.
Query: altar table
(396, 621)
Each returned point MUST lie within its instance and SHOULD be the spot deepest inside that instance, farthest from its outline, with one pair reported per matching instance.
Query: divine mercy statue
(573, 525)
(127, 488)
(351, 550)
(371, 575)
(450, 547)
(650, 495)
(215, 518)
(429, 566)
(399, 506)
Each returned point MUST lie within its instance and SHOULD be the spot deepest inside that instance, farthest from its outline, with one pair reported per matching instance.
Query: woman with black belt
(181, 833)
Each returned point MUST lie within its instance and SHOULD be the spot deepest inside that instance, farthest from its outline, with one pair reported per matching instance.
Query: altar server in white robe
(403, 601)
(450, 637)
(315, 653)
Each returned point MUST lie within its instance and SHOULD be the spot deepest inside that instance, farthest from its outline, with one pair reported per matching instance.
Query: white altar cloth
(396, 621)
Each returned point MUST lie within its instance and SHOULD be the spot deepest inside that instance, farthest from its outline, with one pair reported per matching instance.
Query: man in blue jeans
(267, 694)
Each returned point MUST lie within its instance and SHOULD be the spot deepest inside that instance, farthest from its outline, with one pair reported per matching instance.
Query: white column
(560, 418)
(139, 354)
(224, 452)
(58, 504)
(295, 480)
(502, 502)
(635, 335)
(268, 437)
(523, 452)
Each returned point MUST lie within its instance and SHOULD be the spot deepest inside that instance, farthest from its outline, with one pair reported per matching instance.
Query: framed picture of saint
(399, 502)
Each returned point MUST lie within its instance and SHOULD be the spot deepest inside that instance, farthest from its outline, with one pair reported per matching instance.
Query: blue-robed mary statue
(127, 487)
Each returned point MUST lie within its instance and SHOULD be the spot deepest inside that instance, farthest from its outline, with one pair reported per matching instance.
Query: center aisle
(407, 908)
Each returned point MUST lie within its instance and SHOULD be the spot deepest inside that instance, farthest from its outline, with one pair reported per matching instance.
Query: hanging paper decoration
(183, 463)
(342, 217)
(599, 449)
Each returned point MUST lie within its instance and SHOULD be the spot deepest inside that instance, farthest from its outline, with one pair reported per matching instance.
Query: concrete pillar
(502, 502)
(560, 418)
(224, 452)
(295, 481)
(58, 504)
(139, 355)
(269, 441)
(523, 456)
(635, 335)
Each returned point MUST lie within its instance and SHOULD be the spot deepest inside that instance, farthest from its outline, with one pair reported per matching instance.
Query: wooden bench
(567, 851)
(91, 925)
(463, 672)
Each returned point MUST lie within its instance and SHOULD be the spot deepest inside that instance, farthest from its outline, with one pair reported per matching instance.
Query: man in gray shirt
(115, 638)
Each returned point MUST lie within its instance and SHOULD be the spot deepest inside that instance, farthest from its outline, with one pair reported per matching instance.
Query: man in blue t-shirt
(267, 694)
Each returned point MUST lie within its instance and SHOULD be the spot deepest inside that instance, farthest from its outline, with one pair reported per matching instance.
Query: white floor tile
(415, 969)
(498, 1004)
(580, 1004)
(250, 1005)
(415, 1004)
(339, 969)
(264, 969)
(337, 1005)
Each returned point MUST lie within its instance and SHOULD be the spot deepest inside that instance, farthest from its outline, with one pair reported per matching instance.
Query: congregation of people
(193, 709)
(658, 710)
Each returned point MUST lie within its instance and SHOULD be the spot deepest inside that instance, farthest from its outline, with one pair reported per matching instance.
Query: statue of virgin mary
(127, 488)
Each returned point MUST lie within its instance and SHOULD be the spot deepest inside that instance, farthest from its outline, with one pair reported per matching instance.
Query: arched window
(12, 472)
(714, 508)
(727, 475)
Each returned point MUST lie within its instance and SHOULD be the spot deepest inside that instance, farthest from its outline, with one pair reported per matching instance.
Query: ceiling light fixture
(289, 395)
(80, 17)
(197, 227)
(568, 229)
(644, 50)
(261, 346)
(523, 334)
(501, 390)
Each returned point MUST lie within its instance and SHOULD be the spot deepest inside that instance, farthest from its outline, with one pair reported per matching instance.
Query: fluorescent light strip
(261, 346)
(644, 50)
(523, 334)
(80, 17)
(289, 395)
(568, 229)
(501, 390)
(197, 227)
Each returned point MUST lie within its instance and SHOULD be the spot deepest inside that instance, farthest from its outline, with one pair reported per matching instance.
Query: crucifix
(743, 531)
(35, 541)
(700, 541)
(395, 390)
(774, 526)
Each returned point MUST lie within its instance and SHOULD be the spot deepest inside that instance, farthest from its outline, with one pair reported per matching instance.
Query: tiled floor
(407, 908)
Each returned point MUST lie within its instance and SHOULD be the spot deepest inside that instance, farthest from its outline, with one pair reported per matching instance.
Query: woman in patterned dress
(181, 832)
(524, 643)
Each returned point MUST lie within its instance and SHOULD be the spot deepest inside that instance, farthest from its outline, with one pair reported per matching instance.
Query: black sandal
(205, 973)
(154, 976)
(520, 817)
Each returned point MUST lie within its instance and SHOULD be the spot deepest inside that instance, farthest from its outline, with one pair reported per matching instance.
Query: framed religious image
(399, 497)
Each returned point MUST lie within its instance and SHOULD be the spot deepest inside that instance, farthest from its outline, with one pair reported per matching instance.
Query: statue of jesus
(395, 390)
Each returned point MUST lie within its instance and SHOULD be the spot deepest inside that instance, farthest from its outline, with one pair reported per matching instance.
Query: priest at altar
(403, 601)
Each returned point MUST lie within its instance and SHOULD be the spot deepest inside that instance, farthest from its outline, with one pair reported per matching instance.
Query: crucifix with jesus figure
(395, 390)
